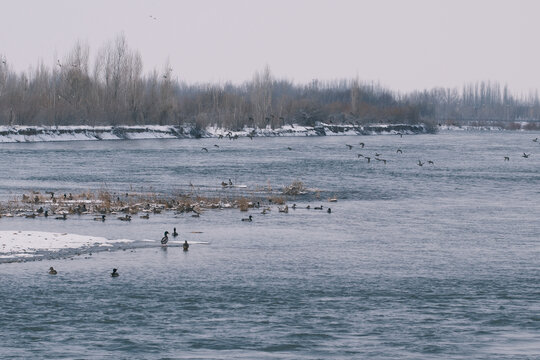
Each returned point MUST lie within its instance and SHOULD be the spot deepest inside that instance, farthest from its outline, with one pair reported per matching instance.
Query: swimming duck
(63, 217)
(175, 234)
(250, 218)
(145, 216)
(115, 273)
(185, 245)
(329, 211)
(318, 207)
(52, 271)
(165, 238)
(101, 218)
(125, 218)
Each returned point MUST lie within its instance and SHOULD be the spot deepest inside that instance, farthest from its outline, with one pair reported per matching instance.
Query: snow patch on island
(21, 244)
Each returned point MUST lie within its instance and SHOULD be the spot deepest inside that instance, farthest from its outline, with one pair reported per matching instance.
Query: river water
(414, 262)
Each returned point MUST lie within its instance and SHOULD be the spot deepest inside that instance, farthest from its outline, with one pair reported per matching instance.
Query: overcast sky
(404, 44)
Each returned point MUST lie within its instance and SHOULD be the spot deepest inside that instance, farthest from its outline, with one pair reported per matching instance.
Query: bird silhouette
(398, 151)
(368, 159)
(506, 158)
(535, 140)
(430, 162)
(360, 155)
(361, 144)
(420, 163)
(205, 149)
(289, 148)
(165, 238)
(349, 146)
(525, 155)
(216, 145)
(249, 219)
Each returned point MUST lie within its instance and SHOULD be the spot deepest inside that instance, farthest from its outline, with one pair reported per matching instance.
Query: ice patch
(18, 244)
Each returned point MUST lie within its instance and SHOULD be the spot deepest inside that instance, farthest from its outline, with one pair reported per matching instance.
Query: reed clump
(296, 188)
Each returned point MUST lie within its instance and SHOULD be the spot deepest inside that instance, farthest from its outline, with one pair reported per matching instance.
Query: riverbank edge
(16, 134)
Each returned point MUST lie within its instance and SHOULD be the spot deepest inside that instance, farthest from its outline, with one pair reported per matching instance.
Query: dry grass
(278, 200)
(296, 188)
(243, 204)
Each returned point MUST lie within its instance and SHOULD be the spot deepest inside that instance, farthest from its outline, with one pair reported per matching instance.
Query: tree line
(112, 89)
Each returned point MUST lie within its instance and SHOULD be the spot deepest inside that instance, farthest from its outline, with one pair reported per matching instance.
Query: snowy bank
(12, 134)
(30, 244)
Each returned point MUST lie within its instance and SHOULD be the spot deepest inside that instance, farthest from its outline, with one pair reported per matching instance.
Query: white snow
(17, 244)
(11, 134)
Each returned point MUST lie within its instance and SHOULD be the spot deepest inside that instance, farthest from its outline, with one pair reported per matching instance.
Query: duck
(250, 218)
(399, 151)
(63, 217)
(100, 218)
(175, 234)
(349, 146)
(284, 209)
(52, 271)
(125, 218)
(145, 216)
(185, 245)
(165, 238)
(329, 211)
(115, 273)
(420, 163)
(318, 207)
(507, 158)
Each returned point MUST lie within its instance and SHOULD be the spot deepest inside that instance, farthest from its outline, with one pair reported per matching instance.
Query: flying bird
(420, 163)
(525, 155)
(430, 162)
(506, 158)
(349, 146)
(216, 145)
(361, 144)
(398, 151)
(205, 149)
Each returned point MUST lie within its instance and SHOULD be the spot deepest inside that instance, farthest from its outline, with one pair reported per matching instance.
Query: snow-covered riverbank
(12, 134)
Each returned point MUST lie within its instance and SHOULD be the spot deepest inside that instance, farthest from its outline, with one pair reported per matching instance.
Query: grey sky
(408, 44)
